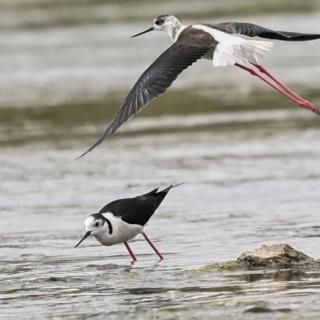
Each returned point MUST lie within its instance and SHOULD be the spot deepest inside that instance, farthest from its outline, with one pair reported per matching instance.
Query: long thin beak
(84, 237)
(145, 31)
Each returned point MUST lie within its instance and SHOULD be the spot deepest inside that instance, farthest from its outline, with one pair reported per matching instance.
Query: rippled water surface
(256, 181)
(250, 169)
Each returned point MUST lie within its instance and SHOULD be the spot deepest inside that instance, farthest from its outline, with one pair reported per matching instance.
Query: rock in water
(274, 255)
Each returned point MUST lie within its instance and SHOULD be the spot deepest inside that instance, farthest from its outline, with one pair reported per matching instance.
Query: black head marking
(161, 19)
(98, 216)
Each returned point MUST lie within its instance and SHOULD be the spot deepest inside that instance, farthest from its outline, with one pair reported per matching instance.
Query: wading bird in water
(121, 220)
(217, 42)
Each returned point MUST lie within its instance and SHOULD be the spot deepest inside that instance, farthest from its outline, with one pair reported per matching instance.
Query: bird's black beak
(84, 237)
(145, 31)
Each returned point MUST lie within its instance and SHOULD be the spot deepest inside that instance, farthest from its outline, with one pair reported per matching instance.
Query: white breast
(121, 231)
(232, 49)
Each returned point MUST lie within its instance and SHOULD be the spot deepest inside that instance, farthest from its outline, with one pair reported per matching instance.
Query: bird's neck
(175, 31)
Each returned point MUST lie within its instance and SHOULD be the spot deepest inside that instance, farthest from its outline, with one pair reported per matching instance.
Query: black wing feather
(253, 30)
(153, 82)
(137, 210)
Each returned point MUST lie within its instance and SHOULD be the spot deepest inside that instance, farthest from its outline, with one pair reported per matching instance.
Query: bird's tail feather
(166, 190)
(255, 49)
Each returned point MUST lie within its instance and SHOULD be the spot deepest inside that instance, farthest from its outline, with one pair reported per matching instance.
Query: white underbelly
(232, 49)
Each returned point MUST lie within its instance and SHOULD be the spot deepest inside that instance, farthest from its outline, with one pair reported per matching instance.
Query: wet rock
(231, 265)
(274, 255)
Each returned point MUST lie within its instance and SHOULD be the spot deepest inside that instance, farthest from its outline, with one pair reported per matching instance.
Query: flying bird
(220, 43)
(121, 220)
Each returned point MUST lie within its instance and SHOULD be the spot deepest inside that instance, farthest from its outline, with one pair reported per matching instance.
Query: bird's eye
(97, 224)
(159, 22)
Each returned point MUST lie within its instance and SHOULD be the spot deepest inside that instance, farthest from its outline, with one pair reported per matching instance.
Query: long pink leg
(301, 103)
(130, 251)
(153, 246)
(282, 85)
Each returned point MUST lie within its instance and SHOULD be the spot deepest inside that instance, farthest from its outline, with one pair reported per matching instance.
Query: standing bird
(121, 220)
(216, 42)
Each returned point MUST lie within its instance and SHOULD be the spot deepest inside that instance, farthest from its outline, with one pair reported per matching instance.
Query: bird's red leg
(280, 89)
(130, 251)
(272, 77)
(153, 246)
(303, 102)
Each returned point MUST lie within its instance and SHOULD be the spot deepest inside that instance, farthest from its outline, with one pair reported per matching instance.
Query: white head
(95, 225)
(165, 22)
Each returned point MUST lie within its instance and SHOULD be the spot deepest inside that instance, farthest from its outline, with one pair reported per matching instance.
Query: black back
(137, 210)
(253, 30)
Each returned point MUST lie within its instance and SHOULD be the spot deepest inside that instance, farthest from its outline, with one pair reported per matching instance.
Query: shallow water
(250, 177)
(255, 181)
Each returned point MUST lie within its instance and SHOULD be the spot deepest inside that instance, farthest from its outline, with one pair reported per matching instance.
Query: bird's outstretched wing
(158, 77)
(253, 30)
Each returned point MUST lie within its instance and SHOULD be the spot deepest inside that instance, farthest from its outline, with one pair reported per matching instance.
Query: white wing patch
(232, 49)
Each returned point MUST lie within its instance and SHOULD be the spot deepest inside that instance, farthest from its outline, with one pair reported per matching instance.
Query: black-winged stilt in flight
(217, 42)
(121, 220)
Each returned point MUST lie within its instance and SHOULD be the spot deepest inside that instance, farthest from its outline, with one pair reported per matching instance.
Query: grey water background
(248, 157)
